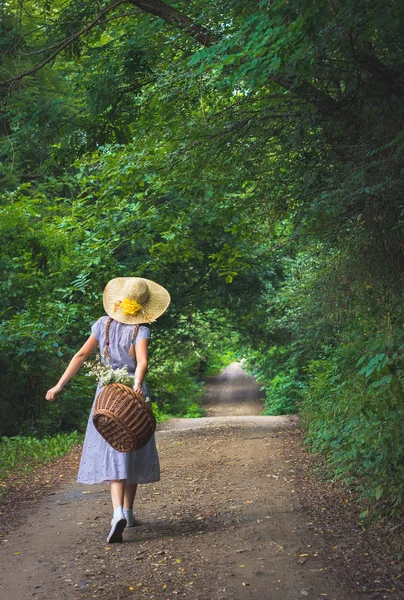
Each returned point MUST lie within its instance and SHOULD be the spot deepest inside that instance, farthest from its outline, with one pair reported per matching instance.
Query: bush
(282, 394)
(355, 423)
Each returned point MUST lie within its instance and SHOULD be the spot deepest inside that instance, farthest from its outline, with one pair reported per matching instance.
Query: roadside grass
(19, 455)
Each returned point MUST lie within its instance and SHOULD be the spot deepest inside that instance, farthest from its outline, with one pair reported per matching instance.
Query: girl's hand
(52, 393)
(138, 388)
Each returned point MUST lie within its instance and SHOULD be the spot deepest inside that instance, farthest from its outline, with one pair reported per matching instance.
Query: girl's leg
(129, 495)
(118, 492)
(128, 499)
(118, 522)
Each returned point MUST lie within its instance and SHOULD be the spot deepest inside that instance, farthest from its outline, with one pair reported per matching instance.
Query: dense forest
(248, 156)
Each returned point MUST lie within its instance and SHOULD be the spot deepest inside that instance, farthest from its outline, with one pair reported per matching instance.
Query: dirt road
(224, 522)
(232, 394)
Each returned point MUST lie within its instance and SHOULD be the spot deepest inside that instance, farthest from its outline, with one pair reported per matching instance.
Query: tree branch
(392, 77)
(202, 35)
(154, 7)
(175, 17)
(306, 91)
(66, 42)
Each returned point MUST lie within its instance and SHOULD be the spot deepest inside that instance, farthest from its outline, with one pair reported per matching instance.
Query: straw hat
(134, 300)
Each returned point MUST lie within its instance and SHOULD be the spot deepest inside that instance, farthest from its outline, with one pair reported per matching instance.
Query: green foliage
(259, 178)
(282, 394)
(357, 427)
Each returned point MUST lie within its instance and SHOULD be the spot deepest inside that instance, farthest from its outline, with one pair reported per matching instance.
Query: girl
(123, 340)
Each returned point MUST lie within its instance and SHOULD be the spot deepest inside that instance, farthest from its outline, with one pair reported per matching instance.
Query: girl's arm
(141, 349)
(77, 361)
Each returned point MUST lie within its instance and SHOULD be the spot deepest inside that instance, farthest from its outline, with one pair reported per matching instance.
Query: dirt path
(232, 394)
(224, 523)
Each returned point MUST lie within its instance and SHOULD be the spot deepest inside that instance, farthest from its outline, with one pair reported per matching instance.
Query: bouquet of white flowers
(106, 374)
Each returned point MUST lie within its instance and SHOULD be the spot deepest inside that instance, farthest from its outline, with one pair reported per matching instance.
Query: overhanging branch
(66, 42)
(171, 15)
(155, 7)
(176, 18)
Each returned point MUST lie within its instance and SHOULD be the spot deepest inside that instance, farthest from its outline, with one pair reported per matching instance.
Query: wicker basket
(123, 418)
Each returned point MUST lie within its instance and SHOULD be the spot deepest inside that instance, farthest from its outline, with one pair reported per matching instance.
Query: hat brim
(157, 303)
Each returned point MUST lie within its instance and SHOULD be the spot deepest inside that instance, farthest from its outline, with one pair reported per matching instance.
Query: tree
(248, 156)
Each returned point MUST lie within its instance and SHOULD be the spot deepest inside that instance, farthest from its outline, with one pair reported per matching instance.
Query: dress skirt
(100, 462)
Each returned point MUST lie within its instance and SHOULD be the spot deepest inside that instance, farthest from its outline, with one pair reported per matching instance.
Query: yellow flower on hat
(130, 307)
(134, 300)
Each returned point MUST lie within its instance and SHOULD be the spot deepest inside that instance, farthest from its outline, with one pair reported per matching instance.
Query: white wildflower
(106, 374)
